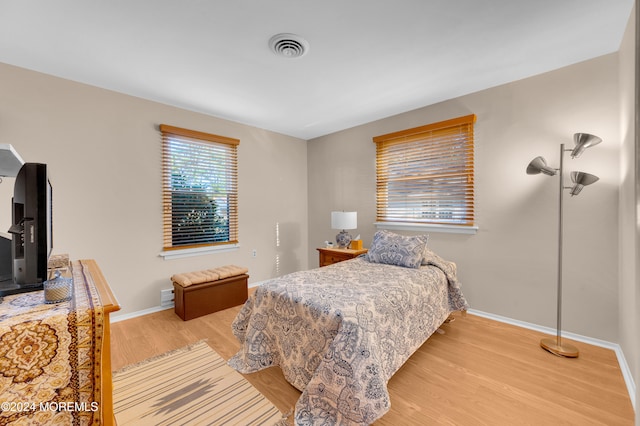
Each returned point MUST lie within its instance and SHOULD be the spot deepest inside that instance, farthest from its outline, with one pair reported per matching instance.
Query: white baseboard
(624, 367)
(115, 317)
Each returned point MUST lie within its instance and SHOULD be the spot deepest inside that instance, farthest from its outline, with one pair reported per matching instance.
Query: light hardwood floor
(479, 372)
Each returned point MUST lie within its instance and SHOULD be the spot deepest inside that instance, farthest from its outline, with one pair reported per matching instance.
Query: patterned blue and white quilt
(340, 332)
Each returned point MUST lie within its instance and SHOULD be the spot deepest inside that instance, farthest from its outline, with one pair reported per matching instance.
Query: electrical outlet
(254, 253)
(166, 298)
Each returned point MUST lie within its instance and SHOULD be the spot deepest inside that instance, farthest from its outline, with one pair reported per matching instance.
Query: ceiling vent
(288, 45)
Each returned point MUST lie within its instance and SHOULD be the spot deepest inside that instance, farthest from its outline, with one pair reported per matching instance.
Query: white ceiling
(368, 59)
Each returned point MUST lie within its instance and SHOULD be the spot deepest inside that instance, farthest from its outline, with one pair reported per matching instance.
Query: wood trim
(467, 119)
(109, 304)
(165, 128)
(107, 298)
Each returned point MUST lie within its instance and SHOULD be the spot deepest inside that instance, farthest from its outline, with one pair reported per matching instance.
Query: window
(425, 176)
(199, 189)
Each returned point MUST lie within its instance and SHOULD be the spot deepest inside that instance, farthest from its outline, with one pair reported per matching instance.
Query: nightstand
(329, 256)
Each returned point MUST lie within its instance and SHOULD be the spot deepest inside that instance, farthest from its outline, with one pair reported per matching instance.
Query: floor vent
(166, 298)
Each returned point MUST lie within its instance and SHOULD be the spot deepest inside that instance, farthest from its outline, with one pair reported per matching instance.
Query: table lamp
(343, 221)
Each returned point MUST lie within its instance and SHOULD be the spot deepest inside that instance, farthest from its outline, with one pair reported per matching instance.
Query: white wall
(635, 264)
(509, 267)
(103, 152)
(629, 292)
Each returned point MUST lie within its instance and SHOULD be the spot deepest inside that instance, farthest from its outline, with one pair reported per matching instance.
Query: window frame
(198, 143)
(419, 145)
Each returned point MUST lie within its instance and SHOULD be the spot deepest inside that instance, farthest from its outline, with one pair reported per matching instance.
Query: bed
(340, 332)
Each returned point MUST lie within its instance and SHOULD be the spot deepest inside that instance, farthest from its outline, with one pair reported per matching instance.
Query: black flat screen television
(31, 229)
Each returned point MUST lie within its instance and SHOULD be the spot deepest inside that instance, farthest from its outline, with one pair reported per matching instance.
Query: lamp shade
(344, 220)
(580, 180)
(583, 141)
(539, 165)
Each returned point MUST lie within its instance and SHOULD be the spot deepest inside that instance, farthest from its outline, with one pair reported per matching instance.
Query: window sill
(451, 229)
(200, 251)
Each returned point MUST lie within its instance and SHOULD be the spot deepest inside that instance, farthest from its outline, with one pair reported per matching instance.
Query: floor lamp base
(564, 349)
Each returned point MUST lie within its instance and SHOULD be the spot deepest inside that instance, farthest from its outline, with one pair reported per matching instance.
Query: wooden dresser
(329, 256)
(62, 350)
(109, 304)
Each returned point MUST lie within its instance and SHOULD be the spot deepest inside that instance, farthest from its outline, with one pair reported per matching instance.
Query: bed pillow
(393, 249)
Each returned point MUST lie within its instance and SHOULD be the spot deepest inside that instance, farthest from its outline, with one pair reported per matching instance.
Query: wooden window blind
(199, 188)
(425, 175)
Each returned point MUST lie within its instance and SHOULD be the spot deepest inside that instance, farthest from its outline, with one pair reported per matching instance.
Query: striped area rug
(189, 386)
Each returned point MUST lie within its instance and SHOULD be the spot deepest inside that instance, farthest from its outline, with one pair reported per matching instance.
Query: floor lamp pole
(556, 346)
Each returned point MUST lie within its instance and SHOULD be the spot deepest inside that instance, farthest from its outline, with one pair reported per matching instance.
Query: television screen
(31, 229)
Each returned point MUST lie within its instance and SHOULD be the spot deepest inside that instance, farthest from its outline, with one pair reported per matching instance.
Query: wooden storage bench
(204, 292)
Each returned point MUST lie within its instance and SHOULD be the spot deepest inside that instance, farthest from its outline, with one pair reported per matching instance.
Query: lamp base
(564, 349)
(343, 239)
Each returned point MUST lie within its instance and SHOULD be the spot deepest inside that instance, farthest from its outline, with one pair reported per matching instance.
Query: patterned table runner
(50, 356)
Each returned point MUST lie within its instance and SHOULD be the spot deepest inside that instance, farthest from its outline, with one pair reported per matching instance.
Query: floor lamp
(580, 180)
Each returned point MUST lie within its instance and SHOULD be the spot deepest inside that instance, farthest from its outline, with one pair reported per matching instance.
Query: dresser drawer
(331, 256)
(328, 259)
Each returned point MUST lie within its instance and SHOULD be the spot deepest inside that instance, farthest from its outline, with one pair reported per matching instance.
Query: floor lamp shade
(343, 221)
(580, 180)
(539, 165)
(583, 141)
